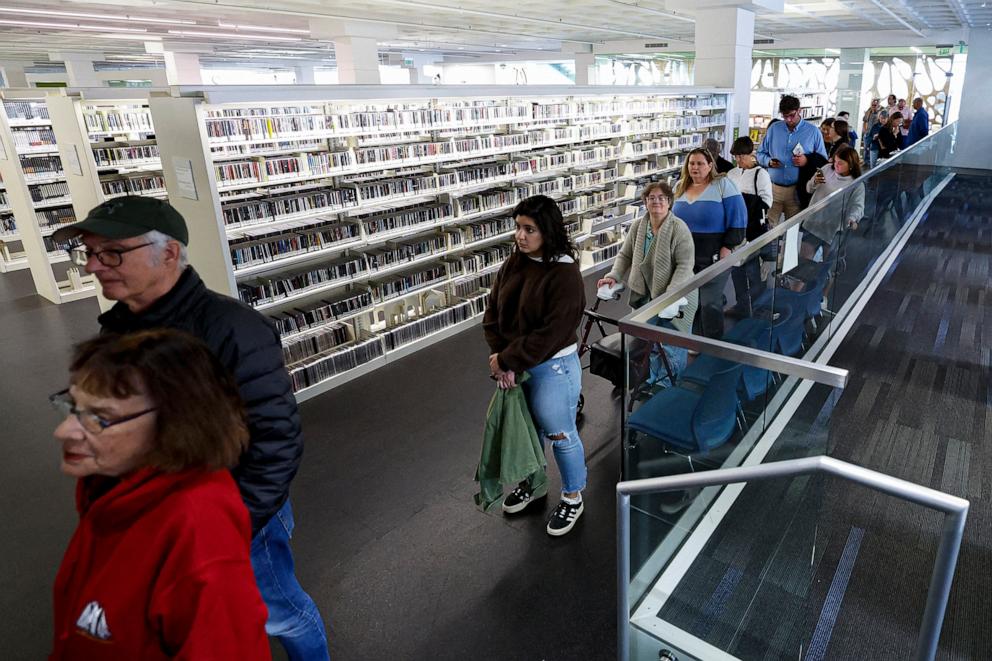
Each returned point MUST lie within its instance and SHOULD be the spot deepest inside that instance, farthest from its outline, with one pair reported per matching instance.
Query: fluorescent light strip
(227, 35)
(256, 28)
(70, 26)
(104, 17)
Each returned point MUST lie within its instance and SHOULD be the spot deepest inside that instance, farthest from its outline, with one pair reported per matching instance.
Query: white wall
(974, 131)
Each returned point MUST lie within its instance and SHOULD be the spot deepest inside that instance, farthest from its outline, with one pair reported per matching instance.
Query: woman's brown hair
(665, 189)
(850, 156)
(200, 420)
(684, 177)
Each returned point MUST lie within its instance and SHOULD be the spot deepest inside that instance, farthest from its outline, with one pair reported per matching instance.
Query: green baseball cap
(129, 216)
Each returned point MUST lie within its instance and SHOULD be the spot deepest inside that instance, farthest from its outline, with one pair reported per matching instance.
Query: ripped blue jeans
(552, 395)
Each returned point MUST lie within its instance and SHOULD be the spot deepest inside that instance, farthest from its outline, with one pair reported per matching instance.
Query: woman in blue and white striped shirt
(715, 212)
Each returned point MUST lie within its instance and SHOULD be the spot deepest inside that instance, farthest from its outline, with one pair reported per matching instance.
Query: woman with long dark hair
(531, 325)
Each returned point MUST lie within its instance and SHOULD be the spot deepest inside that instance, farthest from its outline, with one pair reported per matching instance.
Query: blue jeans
(552, 395)
(293, 617)
(678, 357)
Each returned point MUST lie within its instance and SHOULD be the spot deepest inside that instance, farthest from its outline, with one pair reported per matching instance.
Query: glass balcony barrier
(730, 369)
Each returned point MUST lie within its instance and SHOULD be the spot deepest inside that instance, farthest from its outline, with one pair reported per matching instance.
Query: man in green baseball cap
(136, 248)
(113, 232)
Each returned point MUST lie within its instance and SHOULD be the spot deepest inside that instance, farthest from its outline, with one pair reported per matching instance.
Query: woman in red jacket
(158, 566)
(530, 324)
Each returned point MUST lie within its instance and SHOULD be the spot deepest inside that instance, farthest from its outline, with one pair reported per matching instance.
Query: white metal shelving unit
(369, 221)
(37, 193)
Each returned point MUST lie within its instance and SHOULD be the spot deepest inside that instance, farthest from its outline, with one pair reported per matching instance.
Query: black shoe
(564, 518)
(519, 498)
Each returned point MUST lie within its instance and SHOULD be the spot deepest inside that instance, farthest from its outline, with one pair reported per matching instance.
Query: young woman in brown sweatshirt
(531, 325)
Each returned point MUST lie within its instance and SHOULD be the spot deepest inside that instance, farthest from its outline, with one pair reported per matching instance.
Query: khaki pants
(785, 202)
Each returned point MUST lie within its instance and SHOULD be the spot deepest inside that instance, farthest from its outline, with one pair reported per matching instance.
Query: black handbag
(756, 208)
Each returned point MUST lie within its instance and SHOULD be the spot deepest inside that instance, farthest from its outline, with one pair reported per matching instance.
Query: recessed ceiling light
(226, 35)
(104, 17)
(257, 28)
(69, 26)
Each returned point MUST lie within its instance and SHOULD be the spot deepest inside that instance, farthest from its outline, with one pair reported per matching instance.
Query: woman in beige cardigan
(657, 254)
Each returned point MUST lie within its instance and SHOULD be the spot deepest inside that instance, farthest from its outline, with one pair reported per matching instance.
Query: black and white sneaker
(519, 498)
(564, 518)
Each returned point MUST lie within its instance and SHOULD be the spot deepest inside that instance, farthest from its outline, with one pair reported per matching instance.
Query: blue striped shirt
(717, 219)
(779, 143)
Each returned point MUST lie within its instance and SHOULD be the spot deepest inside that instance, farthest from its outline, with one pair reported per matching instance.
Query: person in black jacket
(136, 248)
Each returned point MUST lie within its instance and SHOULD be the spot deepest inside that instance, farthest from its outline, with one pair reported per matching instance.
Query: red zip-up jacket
(159, 568)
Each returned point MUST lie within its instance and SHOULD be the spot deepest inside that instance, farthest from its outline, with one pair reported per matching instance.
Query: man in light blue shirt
(784, 151)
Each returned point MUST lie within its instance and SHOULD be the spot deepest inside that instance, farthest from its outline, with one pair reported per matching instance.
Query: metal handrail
(955, 508)
(649, 309)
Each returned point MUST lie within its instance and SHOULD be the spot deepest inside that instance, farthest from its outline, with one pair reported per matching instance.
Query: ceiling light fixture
(103, 17)
(227, 35)
(70, 26)
(232, 26)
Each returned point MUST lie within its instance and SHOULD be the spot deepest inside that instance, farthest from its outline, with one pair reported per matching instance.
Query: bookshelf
(38, 198)
(368, 222)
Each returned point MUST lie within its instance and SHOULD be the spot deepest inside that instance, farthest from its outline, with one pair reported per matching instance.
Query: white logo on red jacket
(93, 621)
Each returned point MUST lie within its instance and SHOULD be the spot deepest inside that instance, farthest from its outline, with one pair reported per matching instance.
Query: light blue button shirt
(779, 143)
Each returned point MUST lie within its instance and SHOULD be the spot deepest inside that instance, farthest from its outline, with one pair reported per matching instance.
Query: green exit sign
(944, 51)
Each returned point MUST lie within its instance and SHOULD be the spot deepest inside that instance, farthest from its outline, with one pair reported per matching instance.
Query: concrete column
(974, 134)
(358, 60)
(419, 61)
(724, 41)
(356, 48)
(182, 68)
(79, 68)
(850, 83)
(585, 73)
(304, 74)
(13, 74)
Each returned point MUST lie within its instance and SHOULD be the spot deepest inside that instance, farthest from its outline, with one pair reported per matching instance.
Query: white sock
(572, 501)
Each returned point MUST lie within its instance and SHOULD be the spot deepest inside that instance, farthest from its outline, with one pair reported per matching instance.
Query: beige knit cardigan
(674, 256)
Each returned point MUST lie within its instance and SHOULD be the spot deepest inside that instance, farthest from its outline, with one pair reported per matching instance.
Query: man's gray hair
(160, 241)
(712, 145)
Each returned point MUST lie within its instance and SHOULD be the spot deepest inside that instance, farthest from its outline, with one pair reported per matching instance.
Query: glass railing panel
(716, 415)
(793, 568)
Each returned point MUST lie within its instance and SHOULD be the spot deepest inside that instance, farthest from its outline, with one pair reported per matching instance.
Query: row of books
(265, 128)
(124, 156)
(118, 120)
(392, 254)
(345, 304)
(433, 322)
(134, 185)
(8, 225)
(324, 367)
(311, 344)
(264, 123)
(55, 217)
(265, 290)
(26, 110)
(279, 207)
(42, 192)
(33, 138)
(267, 248)
(41, 165)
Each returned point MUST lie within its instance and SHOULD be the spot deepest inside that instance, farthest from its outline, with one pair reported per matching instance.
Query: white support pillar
(356, 48)
(850, 83)
(724, 41)
(13, 74)
(79, 68)
(974, 135)
(304, 74)
(358, 60)
(420, 60)
(182, 68)
(585, 72)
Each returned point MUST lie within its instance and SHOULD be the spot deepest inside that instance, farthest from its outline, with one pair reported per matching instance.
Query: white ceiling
(469, 28)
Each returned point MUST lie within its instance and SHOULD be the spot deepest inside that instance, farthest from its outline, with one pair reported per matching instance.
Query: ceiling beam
(360, 19)
(898, 18)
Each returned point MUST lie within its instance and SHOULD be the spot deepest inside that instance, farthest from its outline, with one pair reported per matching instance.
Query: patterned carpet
(814, 568)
